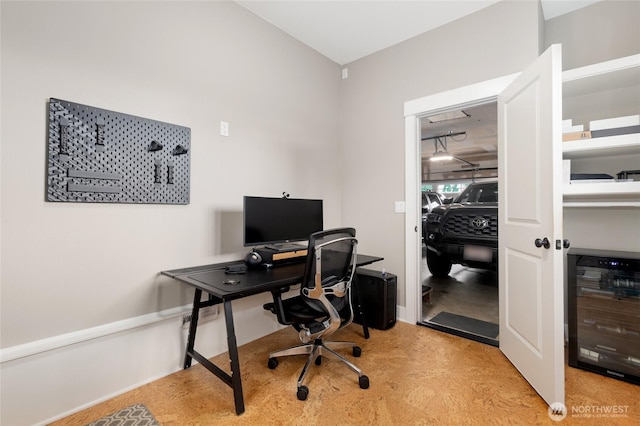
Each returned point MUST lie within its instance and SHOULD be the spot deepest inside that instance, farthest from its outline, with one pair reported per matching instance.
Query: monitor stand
(286, 247)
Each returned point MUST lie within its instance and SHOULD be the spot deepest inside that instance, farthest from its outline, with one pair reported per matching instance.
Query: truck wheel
(439, 266)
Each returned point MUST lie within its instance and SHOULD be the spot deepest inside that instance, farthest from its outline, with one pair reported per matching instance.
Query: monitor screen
(280, 220)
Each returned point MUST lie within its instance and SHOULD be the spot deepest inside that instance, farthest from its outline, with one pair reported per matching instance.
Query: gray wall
(72, 266)
(605, 30)
(67, 267)
(497, 41)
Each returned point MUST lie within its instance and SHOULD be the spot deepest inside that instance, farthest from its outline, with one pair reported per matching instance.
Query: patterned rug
(134, 415)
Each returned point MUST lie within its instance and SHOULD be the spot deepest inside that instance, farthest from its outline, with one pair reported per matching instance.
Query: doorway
(530, 303)
(458, 150)
(461, 98)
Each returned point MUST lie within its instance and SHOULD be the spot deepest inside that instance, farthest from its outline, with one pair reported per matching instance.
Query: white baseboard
(60, 341)
(50, 379)
(402, 313)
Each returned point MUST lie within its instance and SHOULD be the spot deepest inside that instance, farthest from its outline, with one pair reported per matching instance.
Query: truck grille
(462, 224)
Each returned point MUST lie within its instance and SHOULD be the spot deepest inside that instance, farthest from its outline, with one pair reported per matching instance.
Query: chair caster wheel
(357, 351)
(363, 381)
(272, 363)
(318, 360)
(303, 393)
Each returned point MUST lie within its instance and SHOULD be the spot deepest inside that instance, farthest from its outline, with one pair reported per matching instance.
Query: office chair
(324, 304)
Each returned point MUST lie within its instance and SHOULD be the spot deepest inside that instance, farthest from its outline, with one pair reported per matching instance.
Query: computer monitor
(275, 222)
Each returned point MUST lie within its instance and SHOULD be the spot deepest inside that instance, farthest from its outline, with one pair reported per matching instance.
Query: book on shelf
(615, 122)
(575, 136)
(616, 131)
(590, 178)
(592, 134)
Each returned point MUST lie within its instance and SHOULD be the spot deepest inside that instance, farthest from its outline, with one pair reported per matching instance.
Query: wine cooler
(604, 312)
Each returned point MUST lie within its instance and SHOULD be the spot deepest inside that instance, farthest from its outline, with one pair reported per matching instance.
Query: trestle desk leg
(236, 380)
(358, 308)
(193, 326)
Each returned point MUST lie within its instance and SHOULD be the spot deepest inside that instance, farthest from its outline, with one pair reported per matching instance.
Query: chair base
(315, 352)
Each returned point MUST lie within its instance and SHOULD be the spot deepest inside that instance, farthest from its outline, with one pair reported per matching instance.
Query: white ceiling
(345, 31)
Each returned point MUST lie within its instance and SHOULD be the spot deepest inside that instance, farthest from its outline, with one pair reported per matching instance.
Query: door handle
(542, 243)
(566, 243)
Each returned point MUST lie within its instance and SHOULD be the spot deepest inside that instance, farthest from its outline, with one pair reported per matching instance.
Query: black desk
(209, 278)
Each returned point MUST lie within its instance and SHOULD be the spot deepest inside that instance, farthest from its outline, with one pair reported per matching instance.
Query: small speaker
(378, 298)
(270, 257)
(253, 258)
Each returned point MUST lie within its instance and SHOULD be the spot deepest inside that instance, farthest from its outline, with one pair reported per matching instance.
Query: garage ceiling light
(450, 115)
(441, 156)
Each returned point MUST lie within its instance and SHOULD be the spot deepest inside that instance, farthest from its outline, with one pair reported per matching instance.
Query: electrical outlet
(209, 313)
(206, 314)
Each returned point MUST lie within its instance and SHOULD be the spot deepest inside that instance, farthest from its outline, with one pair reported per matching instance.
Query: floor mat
(134, 415)
(470, 325)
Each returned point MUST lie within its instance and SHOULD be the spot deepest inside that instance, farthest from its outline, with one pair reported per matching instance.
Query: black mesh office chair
(324, 304)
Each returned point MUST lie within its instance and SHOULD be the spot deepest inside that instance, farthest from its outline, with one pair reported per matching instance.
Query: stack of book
(601, 128)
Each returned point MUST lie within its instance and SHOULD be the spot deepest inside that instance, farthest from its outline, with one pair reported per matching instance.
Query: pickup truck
(464, 231)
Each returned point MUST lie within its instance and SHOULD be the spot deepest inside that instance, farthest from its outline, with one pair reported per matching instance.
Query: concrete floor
(467, 291)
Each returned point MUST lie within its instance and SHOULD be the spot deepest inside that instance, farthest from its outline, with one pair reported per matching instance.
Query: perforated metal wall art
(101, 156)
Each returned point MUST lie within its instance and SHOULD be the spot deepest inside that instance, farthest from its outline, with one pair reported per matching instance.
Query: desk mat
(254, 278)
(215, 279)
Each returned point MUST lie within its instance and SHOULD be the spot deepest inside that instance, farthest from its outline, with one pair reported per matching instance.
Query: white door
(530, 220)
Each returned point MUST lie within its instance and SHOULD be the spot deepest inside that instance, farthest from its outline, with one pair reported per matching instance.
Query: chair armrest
(276, 307)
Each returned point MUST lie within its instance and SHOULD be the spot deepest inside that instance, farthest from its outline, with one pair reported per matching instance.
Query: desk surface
(210, 278)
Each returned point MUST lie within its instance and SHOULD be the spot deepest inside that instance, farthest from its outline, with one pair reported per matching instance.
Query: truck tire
(439, 266)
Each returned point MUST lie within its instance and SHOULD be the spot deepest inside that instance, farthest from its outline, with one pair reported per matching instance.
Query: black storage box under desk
(378, 295)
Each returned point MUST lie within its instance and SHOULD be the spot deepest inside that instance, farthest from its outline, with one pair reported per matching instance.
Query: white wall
(71, 267)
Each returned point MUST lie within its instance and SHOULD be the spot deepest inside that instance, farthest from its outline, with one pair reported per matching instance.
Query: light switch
(224, 128)
(400, 207)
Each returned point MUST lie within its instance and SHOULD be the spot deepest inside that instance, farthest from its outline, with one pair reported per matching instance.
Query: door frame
(475, 94)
